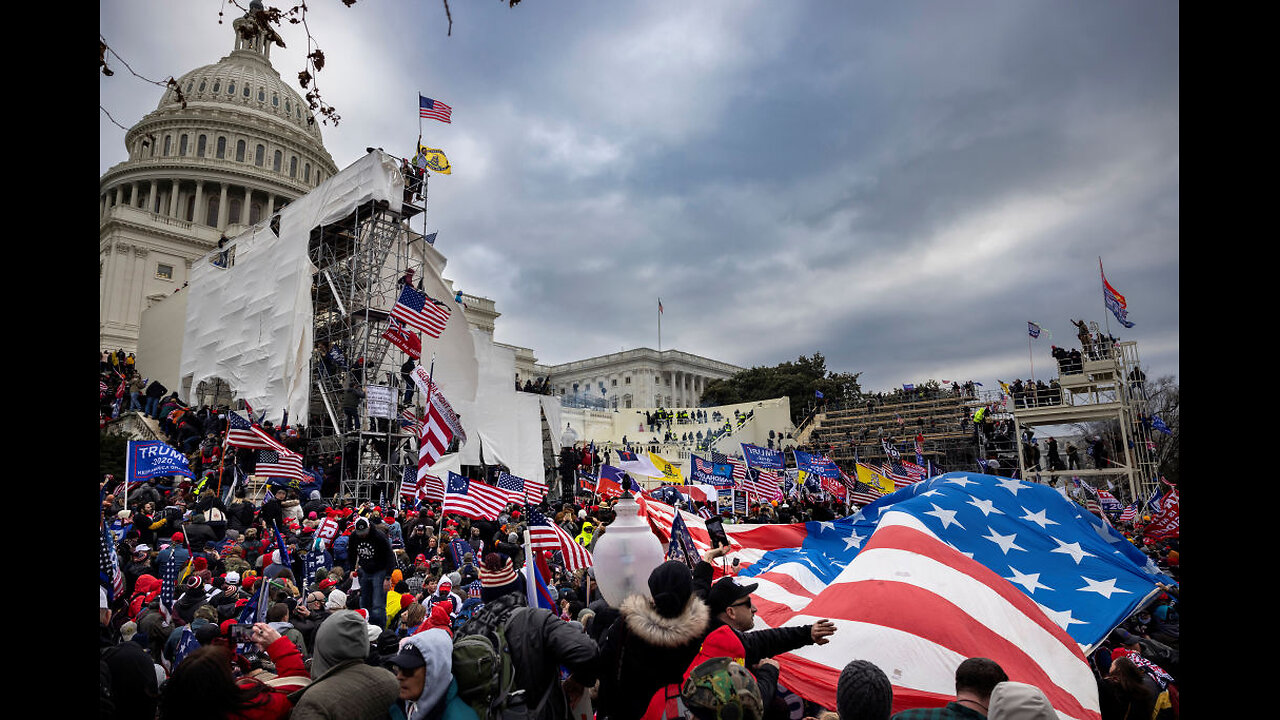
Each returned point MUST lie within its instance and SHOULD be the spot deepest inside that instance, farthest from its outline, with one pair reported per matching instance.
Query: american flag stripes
(434, 110)
(242, 433)
(519, 490)
(472, 498)
(274, 463)
(439, 427)
(410, 484)
(862, 493)
(763, 484)
(546, 535)
(411, 422)
(420, 311)
(109, 565)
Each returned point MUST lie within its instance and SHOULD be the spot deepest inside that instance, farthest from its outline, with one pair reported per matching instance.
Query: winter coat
(343, 686)
(643, 652)
(275, 703)
(539, 642)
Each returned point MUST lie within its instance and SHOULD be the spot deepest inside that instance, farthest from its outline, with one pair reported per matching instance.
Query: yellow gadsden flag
(670, 473)
(433, 160)
(874, 478)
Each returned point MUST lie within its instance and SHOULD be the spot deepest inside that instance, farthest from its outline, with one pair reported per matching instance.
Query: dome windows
(275, 100)
(201, 145)
(246, 91)
(275, 161)
(217, 84)
(202, 85)
(239, 151)
(293, 167)
(222, 148)
(262, 95)
(306, 172)
(231, 87)
(182, 145)
(260, 156)
(168, 140)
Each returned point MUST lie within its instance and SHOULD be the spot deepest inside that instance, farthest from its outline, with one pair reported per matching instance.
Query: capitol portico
(639, 378)
(238, 145)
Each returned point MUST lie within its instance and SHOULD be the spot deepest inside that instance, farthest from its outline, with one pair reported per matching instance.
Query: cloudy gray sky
(899, 186)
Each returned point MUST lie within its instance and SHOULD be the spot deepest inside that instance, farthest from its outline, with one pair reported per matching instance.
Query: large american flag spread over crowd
(960, 565)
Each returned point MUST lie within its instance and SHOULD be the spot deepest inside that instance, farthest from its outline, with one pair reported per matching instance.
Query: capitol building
(243, 146)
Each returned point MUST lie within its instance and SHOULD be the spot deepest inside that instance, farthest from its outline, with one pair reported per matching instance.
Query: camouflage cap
(722, 689)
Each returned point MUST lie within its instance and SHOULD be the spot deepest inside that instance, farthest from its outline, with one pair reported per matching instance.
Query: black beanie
(670, 585)
(863, 692)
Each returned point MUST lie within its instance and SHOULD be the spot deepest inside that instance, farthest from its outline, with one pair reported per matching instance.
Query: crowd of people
(367, 607)
(306, 604)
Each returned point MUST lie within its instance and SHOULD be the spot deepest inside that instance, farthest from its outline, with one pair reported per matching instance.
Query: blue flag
(1159, 425)
(186, 643)
(816, 464)
(681, 546)
(705, 472)
(153, 458)
(817, 394)
(759, 457)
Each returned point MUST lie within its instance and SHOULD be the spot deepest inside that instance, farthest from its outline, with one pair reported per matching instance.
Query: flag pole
(659, 324)
(1103, 277)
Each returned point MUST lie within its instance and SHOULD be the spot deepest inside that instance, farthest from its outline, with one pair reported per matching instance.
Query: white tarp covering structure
(251, 324)
(505, 423)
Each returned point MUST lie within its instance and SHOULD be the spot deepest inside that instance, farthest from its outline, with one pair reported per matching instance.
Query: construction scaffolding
(357, 390)
(1107, 386)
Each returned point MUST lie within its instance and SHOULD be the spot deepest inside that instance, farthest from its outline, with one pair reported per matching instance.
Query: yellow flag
(433, 160)
(874, 478)
(670, 473)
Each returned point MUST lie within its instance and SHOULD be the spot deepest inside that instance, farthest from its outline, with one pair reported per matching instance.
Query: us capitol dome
(245, 145)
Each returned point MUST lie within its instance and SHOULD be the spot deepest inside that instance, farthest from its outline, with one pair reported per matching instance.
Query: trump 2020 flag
(153, 458)
(758, 457)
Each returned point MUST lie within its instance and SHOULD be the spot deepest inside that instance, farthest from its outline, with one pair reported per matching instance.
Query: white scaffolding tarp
(508, 424)
(251, 324)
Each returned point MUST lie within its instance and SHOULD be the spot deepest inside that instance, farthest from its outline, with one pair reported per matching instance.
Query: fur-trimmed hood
(646, 624)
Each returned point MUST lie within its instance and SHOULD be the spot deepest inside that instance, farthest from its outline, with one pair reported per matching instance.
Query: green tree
(112, 449)
(799, 380)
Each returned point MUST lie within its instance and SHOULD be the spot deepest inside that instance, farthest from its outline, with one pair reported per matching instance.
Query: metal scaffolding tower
(1106, 387)
(359, 259)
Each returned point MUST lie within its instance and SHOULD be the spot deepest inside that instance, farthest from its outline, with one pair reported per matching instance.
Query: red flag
(1165, 523)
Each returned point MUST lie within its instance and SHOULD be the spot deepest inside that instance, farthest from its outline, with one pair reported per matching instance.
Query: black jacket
(540, 642)
(372, 552)
(643, 652)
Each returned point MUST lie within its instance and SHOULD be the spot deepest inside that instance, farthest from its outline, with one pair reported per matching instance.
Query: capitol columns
(224, 212)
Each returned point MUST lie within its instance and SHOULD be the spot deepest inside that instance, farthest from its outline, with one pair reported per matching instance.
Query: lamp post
(625, 555)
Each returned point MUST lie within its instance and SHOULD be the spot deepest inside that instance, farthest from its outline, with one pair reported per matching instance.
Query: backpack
(466, 612)
(486, 676)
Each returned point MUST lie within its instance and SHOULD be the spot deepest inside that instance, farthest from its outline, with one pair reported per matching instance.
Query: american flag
(434, 109)
(411, 422)
(764, 484)
(418, 310)
(898, 474)
(242, 433)
(410, 485)
(521, 491)
(439, 427)
(914, 471)
(274, 463)
(1130, 512)
(546, 535)
(472, 498)
(109, 565)
(1032, 580)
(862, 493)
